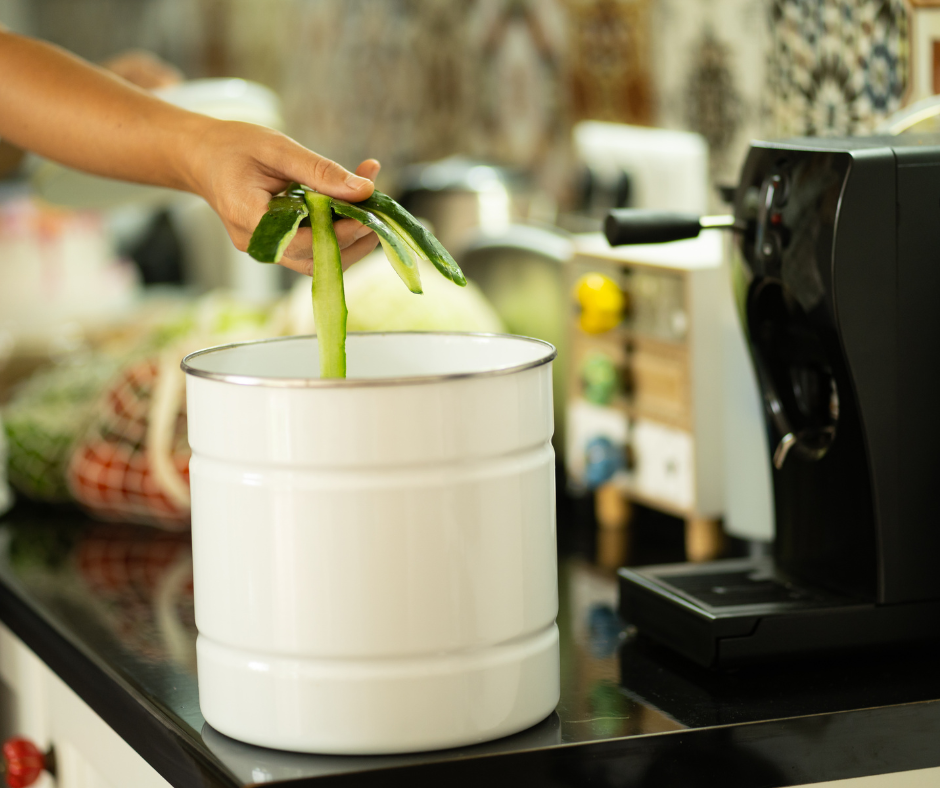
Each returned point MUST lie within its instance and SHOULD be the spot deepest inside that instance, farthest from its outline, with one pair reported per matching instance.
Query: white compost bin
(374, 558)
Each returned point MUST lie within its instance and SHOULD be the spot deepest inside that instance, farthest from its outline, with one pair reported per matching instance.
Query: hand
(238, 167)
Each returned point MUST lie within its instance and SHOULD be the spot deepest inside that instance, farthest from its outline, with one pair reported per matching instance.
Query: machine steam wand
(637, 226)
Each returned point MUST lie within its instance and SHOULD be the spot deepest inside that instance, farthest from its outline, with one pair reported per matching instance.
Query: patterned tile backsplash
(836, 67)
(504, 80)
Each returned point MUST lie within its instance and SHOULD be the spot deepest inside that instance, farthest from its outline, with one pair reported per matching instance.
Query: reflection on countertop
(122, 597)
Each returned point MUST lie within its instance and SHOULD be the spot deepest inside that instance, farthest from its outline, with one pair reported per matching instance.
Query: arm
(70, 111)
(137, 66)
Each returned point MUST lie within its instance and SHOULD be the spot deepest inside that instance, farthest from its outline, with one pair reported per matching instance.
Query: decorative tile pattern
(837, 67)
(520, 112)
(713, 105)
(925, 50)
(442, 46)
(353, 87)
(411, 80)
(708, 74)
(610, 60)
(359, 78)
(519, 49)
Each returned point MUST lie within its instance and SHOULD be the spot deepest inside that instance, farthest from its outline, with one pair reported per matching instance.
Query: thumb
(328, 177)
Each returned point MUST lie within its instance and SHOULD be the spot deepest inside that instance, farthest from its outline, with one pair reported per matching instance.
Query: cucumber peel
(412, 243)
(396, 248)
(431, 247)
(403, 238)
(277, 229)
(329, 299)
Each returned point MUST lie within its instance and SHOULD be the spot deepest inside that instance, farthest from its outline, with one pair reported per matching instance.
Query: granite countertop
(109, 608)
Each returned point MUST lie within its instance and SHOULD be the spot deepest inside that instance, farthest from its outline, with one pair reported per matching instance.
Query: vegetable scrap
(402, 236)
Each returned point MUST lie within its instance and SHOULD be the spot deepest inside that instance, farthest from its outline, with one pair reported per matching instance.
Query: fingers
(328, 177)
(297, 255)
(351, 254)
(285, 158)
(363, 239)
(369, 169)
(304, 267)
(359, 249)
(348, 231)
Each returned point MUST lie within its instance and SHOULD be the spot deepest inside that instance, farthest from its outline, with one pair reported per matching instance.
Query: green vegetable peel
(329, 300)
(401, 235)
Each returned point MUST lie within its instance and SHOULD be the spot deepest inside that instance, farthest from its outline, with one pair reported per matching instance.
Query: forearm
(72, 112)
(65, 109)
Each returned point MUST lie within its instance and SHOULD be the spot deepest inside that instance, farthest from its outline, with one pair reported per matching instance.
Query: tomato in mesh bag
(133, 463)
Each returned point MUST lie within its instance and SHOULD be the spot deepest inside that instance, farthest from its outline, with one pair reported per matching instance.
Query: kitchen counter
(109, 609)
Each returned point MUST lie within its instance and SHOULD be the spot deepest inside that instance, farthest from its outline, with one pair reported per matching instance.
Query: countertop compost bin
(374, 557)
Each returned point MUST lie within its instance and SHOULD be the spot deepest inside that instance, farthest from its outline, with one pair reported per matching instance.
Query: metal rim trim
(416, 380)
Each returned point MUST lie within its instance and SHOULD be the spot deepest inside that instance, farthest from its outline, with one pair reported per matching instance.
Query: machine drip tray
(739, 611)
(734, 589)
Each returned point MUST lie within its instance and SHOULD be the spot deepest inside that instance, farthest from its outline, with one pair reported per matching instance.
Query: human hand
(238, 167)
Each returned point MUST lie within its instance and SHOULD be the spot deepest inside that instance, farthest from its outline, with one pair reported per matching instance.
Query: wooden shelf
(652, 502)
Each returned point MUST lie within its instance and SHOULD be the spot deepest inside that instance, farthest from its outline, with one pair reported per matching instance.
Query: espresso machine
(836, 277)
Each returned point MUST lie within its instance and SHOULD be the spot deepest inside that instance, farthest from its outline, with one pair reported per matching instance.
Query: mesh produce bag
(132, 463)
(45, 418)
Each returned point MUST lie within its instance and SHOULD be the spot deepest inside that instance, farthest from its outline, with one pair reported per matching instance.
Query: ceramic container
(374, 558)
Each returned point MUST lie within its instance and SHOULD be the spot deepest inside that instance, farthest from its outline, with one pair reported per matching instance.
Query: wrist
(192, 153)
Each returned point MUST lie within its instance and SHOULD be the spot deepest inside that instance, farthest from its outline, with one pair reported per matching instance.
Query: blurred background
(506, 80)
(510, 126)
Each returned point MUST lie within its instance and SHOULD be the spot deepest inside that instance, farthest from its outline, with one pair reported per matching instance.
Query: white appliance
(667, 169)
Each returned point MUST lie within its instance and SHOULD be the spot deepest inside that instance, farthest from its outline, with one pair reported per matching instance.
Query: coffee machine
(836, 276)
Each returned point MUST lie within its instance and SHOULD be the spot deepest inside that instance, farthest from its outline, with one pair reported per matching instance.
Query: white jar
(374, 558)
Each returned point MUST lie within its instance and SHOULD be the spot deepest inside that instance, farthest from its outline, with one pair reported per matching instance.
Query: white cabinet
(645, 386)
(37, 704)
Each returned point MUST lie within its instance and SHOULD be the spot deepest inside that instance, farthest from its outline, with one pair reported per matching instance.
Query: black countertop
(109, 608)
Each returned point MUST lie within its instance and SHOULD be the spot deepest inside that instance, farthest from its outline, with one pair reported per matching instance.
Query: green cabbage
(377, 302)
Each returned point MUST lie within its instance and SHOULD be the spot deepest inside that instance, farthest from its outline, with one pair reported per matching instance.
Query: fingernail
(362, 232)
(355, 182)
